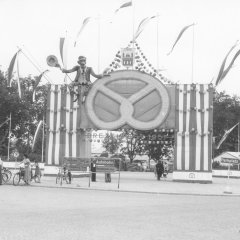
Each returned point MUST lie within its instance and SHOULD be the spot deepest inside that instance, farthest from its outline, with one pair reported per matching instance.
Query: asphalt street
(60, 213)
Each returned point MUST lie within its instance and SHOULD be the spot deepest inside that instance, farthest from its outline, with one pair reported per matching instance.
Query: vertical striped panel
(176, 153)
(206, 129)
(57, 126)
(67, 123)
(64, 137)
(210, 127)
(202, 106)
(180, 129)
(74, 128)
(51, 124)
(199, 128)
(62, 125)
(192, 128)
(193, 123)
(187, 138)
(78, 127)
(184, 107)
(71, 124)
(47, 124)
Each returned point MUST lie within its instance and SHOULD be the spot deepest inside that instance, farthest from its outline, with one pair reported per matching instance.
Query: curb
(143, 192)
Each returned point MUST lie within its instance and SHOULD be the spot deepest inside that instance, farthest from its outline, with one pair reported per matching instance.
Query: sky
(35, 26)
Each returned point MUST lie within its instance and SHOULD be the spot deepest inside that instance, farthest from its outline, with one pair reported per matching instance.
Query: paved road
(59, 213)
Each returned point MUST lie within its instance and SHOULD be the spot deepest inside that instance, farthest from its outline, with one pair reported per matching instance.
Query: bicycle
(18, 176)
(7, 172)
(63, 175)
(4, 177)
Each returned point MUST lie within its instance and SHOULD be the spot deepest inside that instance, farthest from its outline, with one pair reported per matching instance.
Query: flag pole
(157, 44)
(9, 135)
(133, 25)
(193, 39)
(42, 138)
(99, 43)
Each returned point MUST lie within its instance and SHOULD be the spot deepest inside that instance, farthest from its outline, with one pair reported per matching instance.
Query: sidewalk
(145, 182)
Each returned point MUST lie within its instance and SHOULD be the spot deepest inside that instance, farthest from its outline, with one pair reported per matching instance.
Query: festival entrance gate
(137, 100)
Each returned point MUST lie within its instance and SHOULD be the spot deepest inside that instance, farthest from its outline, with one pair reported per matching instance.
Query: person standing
(159, 169)
(27, 168)
(1, 164)
(93, 170)
(37, 173)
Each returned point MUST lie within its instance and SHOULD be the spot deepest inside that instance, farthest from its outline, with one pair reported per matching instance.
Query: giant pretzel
(126, 104)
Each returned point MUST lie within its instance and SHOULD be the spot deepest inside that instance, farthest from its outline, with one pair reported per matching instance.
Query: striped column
(66, 133)
(194, 117)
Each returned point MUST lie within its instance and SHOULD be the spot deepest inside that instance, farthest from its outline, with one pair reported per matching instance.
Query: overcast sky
(37, 25)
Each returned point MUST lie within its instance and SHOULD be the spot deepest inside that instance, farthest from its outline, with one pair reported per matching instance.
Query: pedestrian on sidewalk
(27, 168)
(93, 170)
(159, 169)
(37, 173)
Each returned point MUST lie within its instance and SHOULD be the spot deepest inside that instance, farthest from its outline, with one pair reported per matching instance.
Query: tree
(158, 144)
(226, 113)
(112, 142)
(25, 114)
(133, 146)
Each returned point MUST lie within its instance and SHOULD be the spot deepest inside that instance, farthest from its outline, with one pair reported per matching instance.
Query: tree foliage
(25, 114)
(158, 144)
(226, 113)
(112, 142)
(132, 146)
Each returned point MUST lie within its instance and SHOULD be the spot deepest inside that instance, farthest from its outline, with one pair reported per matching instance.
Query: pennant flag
(62, 40)
(11, 67)
(85, 22)
(141, 26)
(18, 78)
(127, 4)
(179, 36)
(4, 122)
(36, 84)
(38, 130)
(225, 72)
(225, 136)
(223, 64)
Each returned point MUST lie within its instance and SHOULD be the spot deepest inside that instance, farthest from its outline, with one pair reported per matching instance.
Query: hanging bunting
(225, 72)
(85, 22)
(4, 122)
(38, 130)
(141, 27)
(179, 36)
(221, 71)
(36, 84)
(127, 4)
(18, 78)
(61, 45)
(225, 136)
(11, 67)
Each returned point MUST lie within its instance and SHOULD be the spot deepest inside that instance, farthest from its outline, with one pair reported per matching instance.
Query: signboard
(128, 55)
(230, 160)
(77, 164)
(105, 164)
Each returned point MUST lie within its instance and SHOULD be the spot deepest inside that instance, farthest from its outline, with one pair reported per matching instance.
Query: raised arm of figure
(74, 69)
(94, 74)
